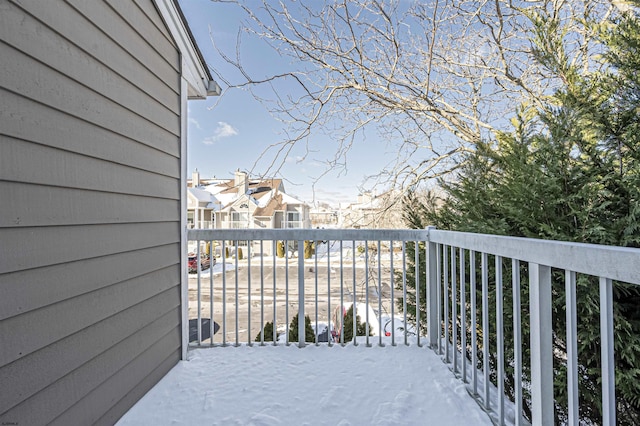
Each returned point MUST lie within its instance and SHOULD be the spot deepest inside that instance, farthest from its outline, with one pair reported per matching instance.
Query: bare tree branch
(434, 79)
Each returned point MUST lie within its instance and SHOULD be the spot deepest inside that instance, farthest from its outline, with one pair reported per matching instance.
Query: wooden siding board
(22, 161)
(35, 329)
(65, 94)
(131, 397)
(147, 29)
(31, 289)
(149, 9)
(23, 118)
(39, 369)
(144, 350)
(75, 23)
(28, 248)
(127, 382)
(167, 58)
(95, 104)
(55, 206)
(40, 42)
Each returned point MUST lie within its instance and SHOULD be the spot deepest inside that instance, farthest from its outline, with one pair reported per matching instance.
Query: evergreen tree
(267, 331)
(347, 326)
(569, 171)
(308, 330)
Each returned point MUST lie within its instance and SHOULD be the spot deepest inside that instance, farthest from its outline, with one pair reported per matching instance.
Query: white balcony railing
(238, 224)
(292, 224)
(453, 314)
(203, 224)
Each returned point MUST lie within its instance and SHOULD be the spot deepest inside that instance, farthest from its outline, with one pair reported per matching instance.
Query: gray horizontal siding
(153, 364)
(54, 400)
(60, 92)
(25, 119)
(139, 21)
(82, 67)
(141, 387)
(27, 248)
(150, 12)
(90, 167)
(36, 289)
(22, 161)
(25, 335)
(86, 207)
(117, 47)
(105, 334)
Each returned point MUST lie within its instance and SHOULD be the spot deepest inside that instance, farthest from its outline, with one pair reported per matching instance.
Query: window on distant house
(293, 220)
(239, 216)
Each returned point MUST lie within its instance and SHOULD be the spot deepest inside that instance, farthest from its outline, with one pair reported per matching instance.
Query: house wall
(90, 165)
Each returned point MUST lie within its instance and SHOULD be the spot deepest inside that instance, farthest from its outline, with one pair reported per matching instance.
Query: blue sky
(231, 132)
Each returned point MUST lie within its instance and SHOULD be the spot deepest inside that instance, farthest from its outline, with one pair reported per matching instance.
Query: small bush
(280, 249)
(347, 326)
(308, 249)
(268, 333)
(308, 330)
(240, 255)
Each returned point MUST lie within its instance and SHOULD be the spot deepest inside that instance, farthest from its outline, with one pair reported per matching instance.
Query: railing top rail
(617, 263)
(300, 234)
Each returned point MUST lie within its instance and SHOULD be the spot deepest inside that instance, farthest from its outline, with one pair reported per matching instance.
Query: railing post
(301, 319)
(607, 352)
(432, 289)
(572, 348)
(542, 411)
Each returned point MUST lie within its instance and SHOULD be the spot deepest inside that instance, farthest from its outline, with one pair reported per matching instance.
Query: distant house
(93, 200)
(201, 208)
(373, 211)
(251, 203)
(324, 215)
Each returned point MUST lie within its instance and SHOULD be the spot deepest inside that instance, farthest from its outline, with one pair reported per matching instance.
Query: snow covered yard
(316, 385)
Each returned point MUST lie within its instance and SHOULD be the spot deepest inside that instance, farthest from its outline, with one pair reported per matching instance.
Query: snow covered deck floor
(316, 385)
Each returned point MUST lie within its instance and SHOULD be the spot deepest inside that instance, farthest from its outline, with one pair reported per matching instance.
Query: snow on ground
(316, 385)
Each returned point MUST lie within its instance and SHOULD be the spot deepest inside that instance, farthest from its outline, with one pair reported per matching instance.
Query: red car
(192, 264)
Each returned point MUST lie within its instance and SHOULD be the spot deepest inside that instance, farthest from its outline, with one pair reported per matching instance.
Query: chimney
(195, 179)
(241, 182)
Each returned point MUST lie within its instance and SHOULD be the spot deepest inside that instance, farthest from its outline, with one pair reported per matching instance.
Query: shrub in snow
(347, 326)
(308, 249)
(268, 333)
(310, 336)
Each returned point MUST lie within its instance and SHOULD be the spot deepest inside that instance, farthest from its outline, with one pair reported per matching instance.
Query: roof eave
(194, 68)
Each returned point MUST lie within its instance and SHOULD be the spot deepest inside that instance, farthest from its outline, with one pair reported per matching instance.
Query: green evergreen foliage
(267, 331)
(569, 170)
(309, 335)
(347, 326)
(240, 254)
(280, 249)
